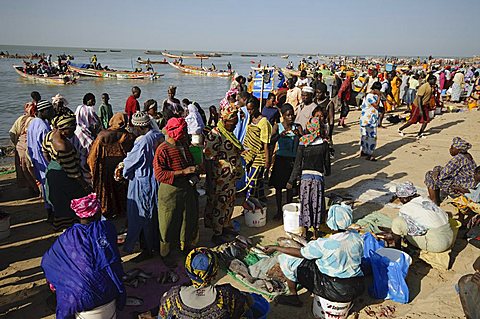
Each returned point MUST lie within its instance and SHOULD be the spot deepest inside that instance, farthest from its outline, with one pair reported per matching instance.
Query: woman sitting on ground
(459, 172)
(83, 266)
(202, 299)
(421, 222)
(328, 267)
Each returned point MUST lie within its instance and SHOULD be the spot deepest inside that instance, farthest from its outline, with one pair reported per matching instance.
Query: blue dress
(142, 192)
(85, 268)
(36, 132)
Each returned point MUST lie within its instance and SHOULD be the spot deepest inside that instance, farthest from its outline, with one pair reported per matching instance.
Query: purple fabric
(151, 292)
(85, 268)
(312, 200)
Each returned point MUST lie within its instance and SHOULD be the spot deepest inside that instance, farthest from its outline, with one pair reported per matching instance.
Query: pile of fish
(270, 285)
(135, 277)
(236, 249)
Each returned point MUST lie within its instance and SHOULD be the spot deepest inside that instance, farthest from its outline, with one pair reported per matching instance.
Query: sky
(347, 27)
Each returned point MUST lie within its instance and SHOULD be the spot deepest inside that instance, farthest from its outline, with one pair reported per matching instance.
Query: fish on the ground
(299, 239)
(240, 268)
(287, 242)
(134, 301)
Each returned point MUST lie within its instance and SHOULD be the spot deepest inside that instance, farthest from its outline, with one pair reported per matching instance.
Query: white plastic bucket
(326, 309)
(394, 254)
(108, 310)
(256, 218)
(291, 219)
(431, 114)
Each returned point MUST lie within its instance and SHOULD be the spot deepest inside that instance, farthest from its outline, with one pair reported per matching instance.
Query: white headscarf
(194, 120)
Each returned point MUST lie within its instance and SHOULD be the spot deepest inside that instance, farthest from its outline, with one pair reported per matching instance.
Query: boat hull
(122, 75)
(200, 72)
(174, 56)
(56, 80)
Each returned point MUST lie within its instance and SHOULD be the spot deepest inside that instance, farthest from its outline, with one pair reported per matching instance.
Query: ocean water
(15, 91)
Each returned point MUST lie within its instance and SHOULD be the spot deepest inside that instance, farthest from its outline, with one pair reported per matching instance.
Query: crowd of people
(93, 164)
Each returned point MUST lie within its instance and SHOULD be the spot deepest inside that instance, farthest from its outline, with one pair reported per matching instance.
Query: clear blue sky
(392, 27)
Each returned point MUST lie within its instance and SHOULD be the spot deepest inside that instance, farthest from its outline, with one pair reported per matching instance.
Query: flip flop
(469, 292)
(290, 300)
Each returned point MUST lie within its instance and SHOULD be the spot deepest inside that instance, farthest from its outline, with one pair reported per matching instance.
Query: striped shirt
(170, 158)
(69, 161)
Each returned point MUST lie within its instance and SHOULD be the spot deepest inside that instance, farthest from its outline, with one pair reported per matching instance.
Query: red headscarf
(176, 128)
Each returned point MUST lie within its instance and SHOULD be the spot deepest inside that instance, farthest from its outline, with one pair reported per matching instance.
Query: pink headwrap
(176, 128)
(85, 207)
(224, 103)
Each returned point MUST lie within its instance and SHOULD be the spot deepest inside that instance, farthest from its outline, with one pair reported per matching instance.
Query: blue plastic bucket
(260, 307)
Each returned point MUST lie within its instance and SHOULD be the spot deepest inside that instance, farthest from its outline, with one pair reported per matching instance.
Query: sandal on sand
(290, 300)
(469, 292)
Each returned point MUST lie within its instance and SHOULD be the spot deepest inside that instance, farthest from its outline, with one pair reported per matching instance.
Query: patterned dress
(224, 160)
(459, 171)
(368, 125)
(230, 303)
(257, 135)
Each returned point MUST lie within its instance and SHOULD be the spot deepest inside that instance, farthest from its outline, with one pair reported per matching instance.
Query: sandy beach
(24, 293)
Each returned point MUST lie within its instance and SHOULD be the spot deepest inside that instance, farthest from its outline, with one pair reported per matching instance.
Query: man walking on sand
(421, 106)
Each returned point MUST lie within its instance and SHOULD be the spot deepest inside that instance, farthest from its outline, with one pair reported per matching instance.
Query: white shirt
(304, 114)
(425, 212)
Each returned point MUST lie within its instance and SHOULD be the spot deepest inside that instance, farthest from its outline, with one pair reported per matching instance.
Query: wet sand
(23, 291)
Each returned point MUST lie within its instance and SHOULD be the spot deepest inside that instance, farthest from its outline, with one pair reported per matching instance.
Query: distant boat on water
(141, 61)
(115, 50)
(175, 56)
(284, 56)
(95, 51)
(249, 55)
(153, 52)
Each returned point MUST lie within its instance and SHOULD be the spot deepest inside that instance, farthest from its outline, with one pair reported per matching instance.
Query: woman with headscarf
(459, 172)
(195, 124)
(23, 164)
(83, 266)
(60, 105)
(177, 196)
(142, 187)
(202, 299)
(64, 180)
(327, 267)
(223, 167)
(108, 150)
(457, 86)
(421, 222)
(312, 164)
(344, 95)
(369, 122)
(88, 124)
(286, 134)
(256, 154)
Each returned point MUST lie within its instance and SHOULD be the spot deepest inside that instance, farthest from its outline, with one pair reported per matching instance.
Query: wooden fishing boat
(115, 50)
(199, 71)
(95, 51)
(284, 56)
(117, 74)
(153, 52)
(141, 61)
(201, 55)
(249, 55)
(53, 79)
(174, 56)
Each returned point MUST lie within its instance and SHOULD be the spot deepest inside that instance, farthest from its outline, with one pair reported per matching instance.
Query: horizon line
(257, 52)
